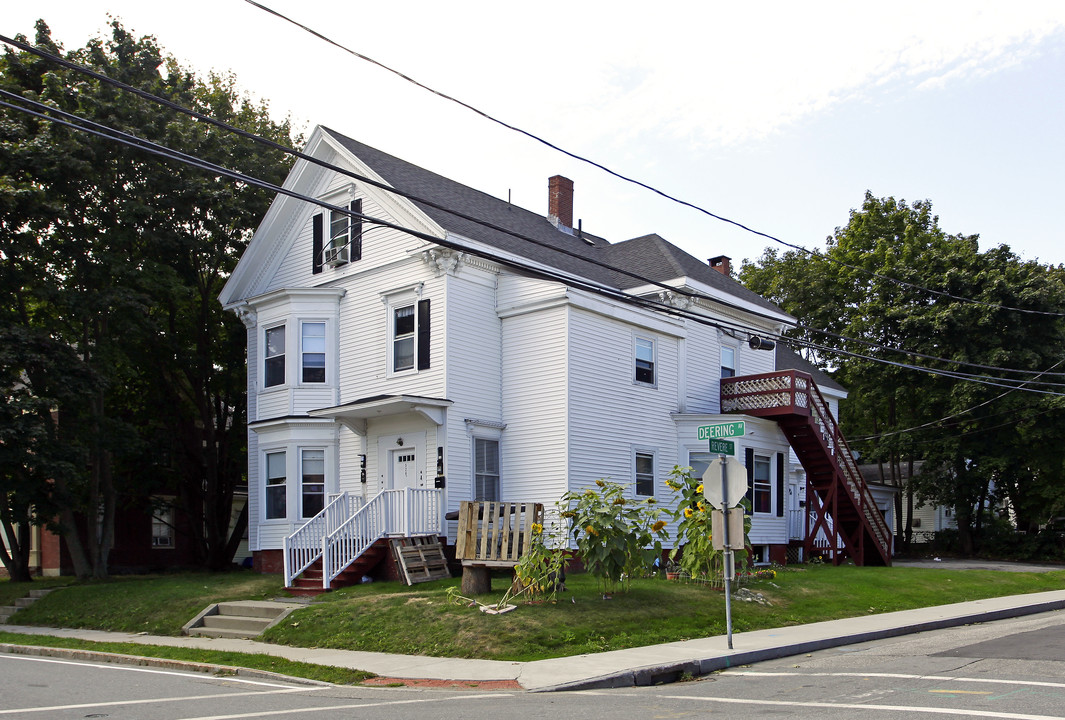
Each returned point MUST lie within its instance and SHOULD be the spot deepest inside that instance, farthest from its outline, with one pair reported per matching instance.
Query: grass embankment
(390, 617)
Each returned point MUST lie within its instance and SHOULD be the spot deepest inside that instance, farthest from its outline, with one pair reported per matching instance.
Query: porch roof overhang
(356, 414)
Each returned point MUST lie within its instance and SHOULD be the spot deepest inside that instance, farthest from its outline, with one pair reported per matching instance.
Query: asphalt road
(1008, 669)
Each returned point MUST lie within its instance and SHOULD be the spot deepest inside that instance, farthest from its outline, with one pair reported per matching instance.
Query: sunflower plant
(694, 547)
(539, 572)
(617, 536)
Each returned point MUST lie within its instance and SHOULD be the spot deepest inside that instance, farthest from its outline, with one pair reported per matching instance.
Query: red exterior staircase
(838, 500)
(309, 583)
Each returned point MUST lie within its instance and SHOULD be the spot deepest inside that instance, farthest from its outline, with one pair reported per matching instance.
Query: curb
(672, 672)
(118, 658)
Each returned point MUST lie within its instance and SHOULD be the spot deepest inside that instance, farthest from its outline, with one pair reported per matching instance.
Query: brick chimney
(560, 201)
(723, 264)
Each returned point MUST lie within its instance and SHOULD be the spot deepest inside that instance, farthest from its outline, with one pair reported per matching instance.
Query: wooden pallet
(420, 559)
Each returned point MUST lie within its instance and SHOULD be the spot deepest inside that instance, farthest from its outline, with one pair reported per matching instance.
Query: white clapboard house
(470, 349)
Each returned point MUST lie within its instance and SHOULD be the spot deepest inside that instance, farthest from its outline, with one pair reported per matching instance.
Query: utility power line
(645, 302)
(634, 181)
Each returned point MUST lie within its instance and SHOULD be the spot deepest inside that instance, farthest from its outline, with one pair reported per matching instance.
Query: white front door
(405, 472)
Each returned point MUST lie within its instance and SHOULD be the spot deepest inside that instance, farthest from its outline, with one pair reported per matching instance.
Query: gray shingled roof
(651, 256)
(788, 359)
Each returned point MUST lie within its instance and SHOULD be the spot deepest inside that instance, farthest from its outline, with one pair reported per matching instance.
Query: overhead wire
(631, 180)
(958, 414)
(645, 302)
(356, 176)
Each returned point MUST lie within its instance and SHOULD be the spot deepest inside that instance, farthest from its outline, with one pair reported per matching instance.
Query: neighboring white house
(511, 361)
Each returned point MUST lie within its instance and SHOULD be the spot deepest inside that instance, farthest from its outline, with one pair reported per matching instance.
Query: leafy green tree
(969, 460)
(118, 257)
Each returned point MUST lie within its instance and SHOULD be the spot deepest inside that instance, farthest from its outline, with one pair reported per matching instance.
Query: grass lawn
(155, 604)
(391, 617)
(324, 673)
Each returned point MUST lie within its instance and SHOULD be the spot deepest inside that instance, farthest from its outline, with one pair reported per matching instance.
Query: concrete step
(234, 622)
(25, 602)
(251, 608)
(222, 633)
(238, 619)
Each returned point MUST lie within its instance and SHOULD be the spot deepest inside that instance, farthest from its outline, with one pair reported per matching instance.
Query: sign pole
(728, 550)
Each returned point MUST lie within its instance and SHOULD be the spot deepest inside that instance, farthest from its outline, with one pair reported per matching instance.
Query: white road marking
(155, 671)
(346, 706)
(900, 676)
(151, 701)
(859, 706)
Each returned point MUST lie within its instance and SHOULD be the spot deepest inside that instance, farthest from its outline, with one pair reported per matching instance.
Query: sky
(778, 116)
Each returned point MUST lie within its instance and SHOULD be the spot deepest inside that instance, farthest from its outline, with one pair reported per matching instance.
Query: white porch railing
(304, 546)
(390, 513)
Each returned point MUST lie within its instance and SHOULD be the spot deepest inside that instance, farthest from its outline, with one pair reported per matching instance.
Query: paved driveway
(963, 564)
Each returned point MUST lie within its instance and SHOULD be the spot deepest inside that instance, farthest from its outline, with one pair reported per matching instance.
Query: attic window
(344, 243)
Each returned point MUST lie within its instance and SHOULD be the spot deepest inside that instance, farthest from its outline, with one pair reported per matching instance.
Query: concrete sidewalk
(619, 668)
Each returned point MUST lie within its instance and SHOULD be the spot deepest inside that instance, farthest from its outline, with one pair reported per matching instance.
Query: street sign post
(724, 484)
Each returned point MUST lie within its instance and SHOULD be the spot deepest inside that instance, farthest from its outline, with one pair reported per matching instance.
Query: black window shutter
(780, 484)
(356, 231)
(748, 457)
(316, 244)
(423, 334)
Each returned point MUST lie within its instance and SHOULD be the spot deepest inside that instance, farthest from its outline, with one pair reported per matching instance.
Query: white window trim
(264, 452)
(735, 359)
(262, 364)
(393, 300)
(328, 337)
(654, 360)
(769, 457)
(654, 470)
(299, 480)
(487, 437)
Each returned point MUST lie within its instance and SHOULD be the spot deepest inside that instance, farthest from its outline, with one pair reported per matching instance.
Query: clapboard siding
(534, 405)
(364, 333)
(349, 470)
(381, 246)
(610, 415)
(702, 355)
(474, 372)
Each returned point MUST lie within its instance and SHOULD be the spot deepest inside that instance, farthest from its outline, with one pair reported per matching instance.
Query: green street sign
(722, 447)
(722, 430)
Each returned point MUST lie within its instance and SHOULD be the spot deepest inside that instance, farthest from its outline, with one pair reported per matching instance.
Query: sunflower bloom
(688, 512)
(537, 528)
(699, 489)
(658, 526)
(701, 506)
(600, 483)
(591, 531)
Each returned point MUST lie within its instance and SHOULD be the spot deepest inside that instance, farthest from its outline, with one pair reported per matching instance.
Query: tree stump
(476, 580)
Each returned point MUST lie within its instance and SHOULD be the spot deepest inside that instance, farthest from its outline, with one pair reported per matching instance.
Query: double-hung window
(312, 352)
(312, 481)
(645, 361)
(403, 325)
(409, 334)
(728, 362)
(486, 469)
(763, 485)
(276, 486)
(163, 526)
(274, 364)
(645, 474)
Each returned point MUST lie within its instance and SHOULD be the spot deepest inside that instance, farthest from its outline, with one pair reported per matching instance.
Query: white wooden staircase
(348, 538)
